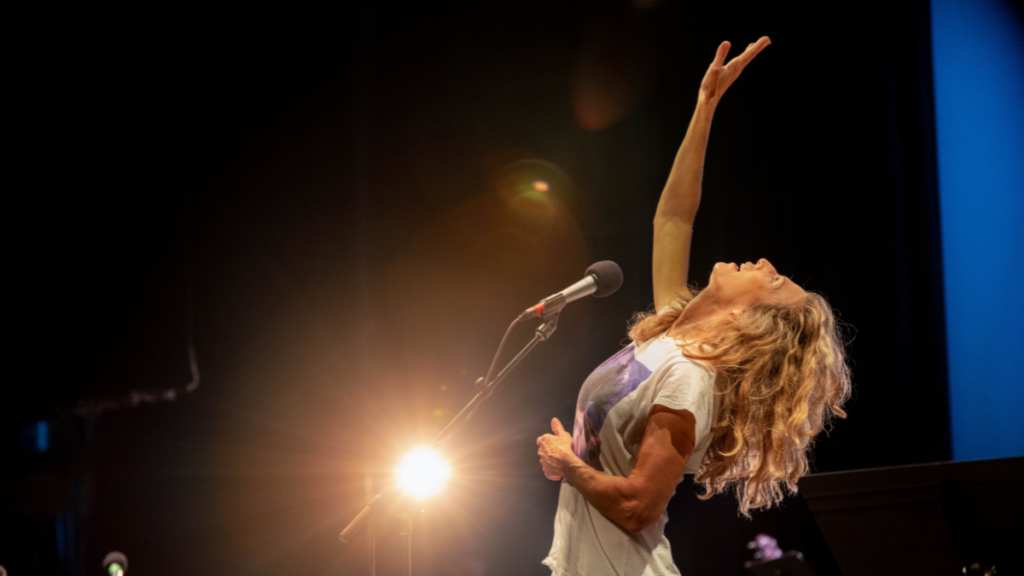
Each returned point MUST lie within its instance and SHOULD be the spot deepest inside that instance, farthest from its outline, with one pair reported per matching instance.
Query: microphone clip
(548, 308)
(545, 330)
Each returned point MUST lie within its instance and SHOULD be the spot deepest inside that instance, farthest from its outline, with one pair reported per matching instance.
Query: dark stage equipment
(941, 518)
(789, 564)
(769, 560)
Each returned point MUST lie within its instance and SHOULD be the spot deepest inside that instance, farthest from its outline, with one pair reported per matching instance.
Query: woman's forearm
(615, 497)
(681, 196)
(673, 221)
(635, 502)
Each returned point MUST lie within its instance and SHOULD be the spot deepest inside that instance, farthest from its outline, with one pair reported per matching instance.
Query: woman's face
(737, 287)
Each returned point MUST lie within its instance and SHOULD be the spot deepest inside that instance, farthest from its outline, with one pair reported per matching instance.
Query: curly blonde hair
(781, 375)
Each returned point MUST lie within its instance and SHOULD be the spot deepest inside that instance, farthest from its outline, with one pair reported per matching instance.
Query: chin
(721, 268)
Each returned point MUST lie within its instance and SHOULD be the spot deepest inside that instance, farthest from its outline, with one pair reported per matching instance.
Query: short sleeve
(683, 385)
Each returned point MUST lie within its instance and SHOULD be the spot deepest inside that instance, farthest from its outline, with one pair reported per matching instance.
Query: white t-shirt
(611, 417)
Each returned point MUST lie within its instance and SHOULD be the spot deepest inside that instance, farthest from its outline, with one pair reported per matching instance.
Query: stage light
(422, 473)
(115, 563)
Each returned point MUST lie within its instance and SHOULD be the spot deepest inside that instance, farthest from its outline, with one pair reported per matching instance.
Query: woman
(731, 384)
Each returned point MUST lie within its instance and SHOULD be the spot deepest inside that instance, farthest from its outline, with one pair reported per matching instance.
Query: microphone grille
(608, 275)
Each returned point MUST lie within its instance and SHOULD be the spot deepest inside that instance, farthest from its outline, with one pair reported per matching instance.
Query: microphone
(602, 279)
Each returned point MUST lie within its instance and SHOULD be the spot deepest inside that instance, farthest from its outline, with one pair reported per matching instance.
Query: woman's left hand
(555, 451)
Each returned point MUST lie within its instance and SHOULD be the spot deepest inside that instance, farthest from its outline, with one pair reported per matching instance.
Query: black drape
(341, 193)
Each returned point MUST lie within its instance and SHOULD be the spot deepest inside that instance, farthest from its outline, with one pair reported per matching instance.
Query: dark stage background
(334, 201)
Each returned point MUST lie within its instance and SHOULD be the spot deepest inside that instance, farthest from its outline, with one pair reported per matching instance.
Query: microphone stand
(484, 391)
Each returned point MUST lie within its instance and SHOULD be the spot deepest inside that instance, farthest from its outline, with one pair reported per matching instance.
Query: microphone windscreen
(609, 277)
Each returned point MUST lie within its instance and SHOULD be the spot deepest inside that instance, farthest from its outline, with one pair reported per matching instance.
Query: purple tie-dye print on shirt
(612, 381)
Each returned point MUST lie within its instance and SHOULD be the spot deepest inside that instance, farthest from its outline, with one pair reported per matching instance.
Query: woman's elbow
(639, 519)
(639, 525)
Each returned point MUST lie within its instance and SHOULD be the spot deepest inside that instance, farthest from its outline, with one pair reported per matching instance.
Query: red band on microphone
(539, 308)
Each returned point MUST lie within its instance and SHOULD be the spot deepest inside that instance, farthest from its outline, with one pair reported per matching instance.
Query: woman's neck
(696, 321)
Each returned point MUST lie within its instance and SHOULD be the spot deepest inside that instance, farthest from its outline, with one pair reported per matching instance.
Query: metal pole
(373, 546)
(407, 532)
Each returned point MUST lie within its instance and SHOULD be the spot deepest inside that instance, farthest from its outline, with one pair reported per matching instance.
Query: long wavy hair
(781, 376)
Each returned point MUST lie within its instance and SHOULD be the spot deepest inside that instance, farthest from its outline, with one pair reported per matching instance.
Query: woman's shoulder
(666, 353)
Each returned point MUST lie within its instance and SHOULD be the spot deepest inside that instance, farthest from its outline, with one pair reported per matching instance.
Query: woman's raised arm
(673, 222)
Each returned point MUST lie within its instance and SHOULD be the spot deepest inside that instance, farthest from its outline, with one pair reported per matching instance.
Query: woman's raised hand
(721, 75)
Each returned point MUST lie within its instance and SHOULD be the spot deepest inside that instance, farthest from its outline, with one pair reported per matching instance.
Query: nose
(764, 263)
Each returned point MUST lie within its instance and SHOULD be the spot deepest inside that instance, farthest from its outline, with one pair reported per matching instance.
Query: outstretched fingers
(710, 84)
(752, 50)
(723, 51)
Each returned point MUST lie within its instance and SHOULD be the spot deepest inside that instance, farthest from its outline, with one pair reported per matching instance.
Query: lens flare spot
(422, 473)
(619, 63)
(540, 186)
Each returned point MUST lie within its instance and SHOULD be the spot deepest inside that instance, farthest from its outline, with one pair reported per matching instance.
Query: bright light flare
(422, 473)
